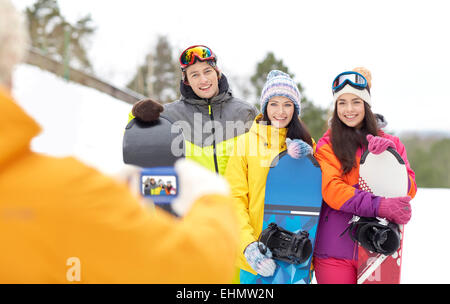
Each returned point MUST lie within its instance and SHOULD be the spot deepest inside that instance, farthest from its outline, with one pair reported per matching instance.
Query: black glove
(147, 110)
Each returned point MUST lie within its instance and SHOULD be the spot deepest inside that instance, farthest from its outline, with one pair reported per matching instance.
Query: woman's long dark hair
(346, 140)
(296, 128)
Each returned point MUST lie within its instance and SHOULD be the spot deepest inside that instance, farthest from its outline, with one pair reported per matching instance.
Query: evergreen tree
(262, 70)
(166, 73)
(138, 83)
(51, 33)
(42, 17)
(313, 116)
(159, 77)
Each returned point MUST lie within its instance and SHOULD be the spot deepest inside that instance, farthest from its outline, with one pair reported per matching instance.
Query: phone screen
(159, 185)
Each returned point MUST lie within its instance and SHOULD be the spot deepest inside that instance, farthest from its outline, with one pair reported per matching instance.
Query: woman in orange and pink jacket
(353, 129)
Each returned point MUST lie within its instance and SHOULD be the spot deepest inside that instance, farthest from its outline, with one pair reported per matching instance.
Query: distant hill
(429, 156)
(76, 119)
(425, 134)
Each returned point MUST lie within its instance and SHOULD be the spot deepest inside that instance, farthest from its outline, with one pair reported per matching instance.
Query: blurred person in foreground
(73, 224)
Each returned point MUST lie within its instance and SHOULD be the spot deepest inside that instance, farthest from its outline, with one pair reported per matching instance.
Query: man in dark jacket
(210, 117)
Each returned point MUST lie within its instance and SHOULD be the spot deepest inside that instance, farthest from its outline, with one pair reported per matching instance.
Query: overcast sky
(405, 44)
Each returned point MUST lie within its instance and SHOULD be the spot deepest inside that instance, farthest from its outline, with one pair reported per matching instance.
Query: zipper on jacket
(211, 116)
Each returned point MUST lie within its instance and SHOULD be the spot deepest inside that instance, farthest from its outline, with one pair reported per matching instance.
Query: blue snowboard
(293, 200)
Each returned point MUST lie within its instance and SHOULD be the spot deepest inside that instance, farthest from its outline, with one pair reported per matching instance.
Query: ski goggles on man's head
(200, 51)
(354, 79)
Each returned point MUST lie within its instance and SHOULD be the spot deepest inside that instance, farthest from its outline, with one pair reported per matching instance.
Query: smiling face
(203, 79)
(350, 110)
(280, 110)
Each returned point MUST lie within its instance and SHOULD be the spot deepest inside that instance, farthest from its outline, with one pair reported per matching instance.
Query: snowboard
(152, 144)
(385, 175)
(293, 200)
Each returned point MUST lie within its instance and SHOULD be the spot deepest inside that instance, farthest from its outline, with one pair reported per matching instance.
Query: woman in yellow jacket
(278, 127)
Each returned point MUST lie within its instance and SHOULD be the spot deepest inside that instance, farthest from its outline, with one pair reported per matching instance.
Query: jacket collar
(272, 137)
(16, 128)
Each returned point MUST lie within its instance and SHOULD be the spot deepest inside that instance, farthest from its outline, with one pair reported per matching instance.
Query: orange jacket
(62, 221)
(343, 199)
(338, 189)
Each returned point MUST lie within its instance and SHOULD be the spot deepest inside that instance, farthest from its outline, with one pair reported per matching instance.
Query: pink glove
(379, 144)
(395, 209)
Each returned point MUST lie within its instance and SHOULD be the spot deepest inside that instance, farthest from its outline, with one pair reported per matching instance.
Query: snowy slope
(89, 124)
(76, 120)
(426, 242)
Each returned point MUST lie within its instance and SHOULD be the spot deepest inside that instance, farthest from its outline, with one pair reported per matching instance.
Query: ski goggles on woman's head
(354, 79)
(200, 51)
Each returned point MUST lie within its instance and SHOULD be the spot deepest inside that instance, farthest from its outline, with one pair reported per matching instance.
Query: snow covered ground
(426, 243)
(76, 120)
(88, 124)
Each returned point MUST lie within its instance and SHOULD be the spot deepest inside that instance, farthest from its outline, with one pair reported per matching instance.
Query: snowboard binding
(293, 248)
(375, 234)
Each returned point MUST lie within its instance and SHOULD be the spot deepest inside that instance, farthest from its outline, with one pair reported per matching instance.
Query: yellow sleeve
(314, 145)
(130, 117)
(237, 176)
